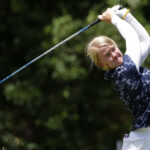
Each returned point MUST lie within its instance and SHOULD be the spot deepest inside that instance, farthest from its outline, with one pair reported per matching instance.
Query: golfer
(131, 81)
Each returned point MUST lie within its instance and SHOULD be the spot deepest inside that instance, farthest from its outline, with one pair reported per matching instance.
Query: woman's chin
(120, 60)
(116, 63)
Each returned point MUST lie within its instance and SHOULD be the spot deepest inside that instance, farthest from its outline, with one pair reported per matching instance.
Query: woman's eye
(113, 49)
(108, 54)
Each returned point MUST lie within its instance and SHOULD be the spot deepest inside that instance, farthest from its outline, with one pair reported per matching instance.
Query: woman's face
(109, 55)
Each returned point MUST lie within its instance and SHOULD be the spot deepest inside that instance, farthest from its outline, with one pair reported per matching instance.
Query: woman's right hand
(107, 15)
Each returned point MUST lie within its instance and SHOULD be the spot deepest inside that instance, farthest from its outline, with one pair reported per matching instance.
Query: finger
(100, 17)
(116, 8)
(109, 9)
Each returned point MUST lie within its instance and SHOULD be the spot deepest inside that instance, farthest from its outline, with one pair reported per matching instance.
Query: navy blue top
(134, 89)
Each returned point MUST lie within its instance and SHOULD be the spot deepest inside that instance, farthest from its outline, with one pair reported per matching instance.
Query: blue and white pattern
(134, 89)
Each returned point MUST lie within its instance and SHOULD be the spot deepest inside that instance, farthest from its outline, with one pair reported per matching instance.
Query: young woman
(131, 81)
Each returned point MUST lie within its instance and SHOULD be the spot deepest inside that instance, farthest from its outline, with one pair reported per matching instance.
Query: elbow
(146, 43)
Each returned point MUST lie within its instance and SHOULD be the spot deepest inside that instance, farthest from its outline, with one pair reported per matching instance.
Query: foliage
(58, 102)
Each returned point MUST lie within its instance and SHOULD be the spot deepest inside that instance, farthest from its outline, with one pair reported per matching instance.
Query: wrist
(126, 13)
(114, 19)
(129, 17)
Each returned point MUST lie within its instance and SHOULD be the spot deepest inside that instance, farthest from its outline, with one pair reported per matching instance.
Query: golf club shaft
(48, 51)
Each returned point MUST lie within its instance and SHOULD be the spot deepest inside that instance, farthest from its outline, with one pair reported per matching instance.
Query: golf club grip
(94, 23)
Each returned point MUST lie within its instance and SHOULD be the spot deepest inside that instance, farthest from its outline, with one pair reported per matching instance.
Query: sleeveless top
(133, 88)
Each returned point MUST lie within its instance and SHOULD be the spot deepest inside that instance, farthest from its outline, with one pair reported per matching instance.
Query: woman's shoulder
(126, 70)
(130, 67)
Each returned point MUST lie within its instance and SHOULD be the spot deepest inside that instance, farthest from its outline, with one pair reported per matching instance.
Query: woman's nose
(114, 55)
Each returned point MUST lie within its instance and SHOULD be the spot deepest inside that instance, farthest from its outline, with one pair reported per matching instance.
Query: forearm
(131, 38)
(142, 34)
(140, 30)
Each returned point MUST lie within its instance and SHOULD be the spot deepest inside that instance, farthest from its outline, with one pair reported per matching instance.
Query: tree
(58, 102)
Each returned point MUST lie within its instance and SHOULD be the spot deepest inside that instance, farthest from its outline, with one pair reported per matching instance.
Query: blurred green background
(59, 102)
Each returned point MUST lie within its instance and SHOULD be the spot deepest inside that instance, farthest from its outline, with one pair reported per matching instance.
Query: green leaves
(21, 93)
(57, 103)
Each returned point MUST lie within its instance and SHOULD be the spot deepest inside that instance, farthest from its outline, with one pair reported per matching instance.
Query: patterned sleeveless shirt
(133, 88)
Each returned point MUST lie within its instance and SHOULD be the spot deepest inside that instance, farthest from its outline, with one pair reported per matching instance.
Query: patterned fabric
(133, 88)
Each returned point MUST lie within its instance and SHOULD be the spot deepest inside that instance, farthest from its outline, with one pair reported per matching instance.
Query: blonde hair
(92, 47)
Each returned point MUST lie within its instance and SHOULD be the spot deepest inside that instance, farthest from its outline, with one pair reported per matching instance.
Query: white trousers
(137, 140)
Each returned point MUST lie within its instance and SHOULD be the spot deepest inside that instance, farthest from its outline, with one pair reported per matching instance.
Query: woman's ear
(100, 64)
(104, 67)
